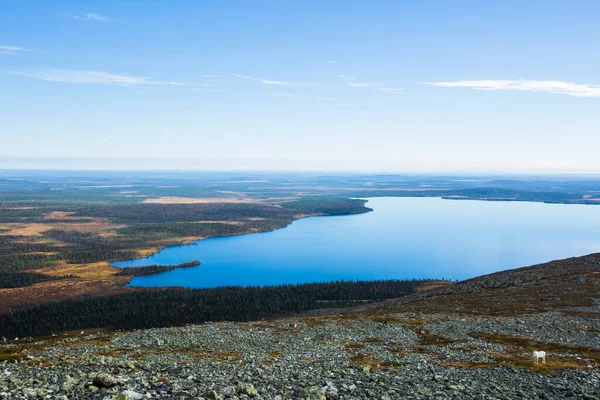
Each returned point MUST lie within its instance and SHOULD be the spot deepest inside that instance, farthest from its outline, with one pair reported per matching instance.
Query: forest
(20, 279)
(176, 306)
(132, 227)
(154, 269)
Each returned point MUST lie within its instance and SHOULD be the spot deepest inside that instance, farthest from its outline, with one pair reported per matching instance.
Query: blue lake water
(402, 238)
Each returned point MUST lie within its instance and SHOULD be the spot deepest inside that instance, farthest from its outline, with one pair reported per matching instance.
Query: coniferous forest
(177, 306)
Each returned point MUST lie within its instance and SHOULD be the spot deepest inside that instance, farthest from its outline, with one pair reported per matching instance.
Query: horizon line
(301, 171)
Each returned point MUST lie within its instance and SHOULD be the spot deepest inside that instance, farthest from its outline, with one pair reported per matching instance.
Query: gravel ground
(550, 327)
(401, 356)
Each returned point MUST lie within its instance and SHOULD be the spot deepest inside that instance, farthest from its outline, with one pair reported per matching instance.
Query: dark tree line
(154, 269)
(10, 244)
(19, 262)
(149, 212)
(21, 279)
(327, 206)
(174, 306)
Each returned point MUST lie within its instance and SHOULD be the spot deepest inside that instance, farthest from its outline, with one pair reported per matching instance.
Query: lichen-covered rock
(247, 389)
(133, 395)
(212, 395)
(104, 381)
(69, 384)
(311, 393)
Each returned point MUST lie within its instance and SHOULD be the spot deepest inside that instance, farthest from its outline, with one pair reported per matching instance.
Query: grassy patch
(367, 359)
(273, 354)
(557, 356)
(354, 345)
(12, 353)
(374, 339)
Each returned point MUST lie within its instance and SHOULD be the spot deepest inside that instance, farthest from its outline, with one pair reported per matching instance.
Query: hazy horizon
(32, 169)
(178, 165)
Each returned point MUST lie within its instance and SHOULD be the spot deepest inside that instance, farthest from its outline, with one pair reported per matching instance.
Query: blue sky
(394, 86)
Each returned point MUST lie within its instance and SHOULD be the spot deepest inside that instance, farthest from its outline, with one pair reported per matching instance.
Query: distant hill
(571, 286)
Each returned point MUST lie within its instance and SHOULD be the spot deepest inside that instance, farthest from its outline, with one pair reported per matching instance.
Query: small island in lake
(154, 269)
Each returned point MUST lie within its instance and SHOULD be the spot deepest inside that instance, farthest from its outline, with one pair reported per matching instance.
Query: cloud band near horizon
(92, 77)
(554, 87)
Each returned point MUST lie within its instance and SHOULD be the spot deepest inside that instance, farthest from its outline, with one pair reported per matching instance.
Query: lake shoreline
(193, 240)
(433, 216)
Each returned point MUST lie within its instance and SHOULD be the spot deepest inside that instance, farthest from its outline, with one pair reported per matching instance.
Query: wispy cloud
(352, 82)
(356, 84)
(373, 86)
(87, 17)
(5, 49)
(555, 87)
(295, 96)
(266, 81)
(92, 77)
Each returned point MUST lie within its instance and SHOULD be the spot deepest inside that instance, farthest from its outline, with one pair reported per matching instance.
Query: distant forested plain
(59, 230)
(89, 233)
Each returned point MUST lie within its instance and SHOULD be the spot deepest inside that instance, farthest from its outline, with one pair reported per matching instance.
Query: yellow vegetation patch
(96, 270)
(171, 242)
(367, 359)
(197, 200)
(273, 354)
(530, 345)
(374, 339)
(552, 365)
(37, 229)
(354, 345)
(63, 289)
(12, 354)
(429, 338)
(433, 285)
(220, 222)
(63, 215)
(18, 229)
(147, 252)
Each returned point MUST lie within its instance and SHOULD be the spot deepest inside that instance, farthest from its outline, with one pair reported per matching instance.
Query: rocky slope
(471, 340)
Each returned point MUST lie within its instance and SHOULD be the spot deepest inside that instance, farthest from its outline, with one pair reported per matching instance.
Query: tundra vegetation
(398, 339)
(60, 231)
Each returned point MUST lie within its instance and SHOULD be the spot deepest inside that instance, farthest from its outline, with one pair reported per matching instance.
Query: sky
(370, 86)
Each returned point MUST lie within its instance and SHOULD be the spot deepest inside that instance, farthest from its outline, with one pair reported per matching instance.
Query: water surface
(402, 238)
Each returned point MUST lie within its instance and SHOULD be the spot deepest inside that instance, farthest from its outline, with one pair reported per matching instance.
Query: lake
(402, 238)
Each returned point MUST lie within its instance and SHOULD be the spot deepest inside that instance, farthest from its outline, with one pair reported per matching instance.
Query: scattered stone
(247, 389)
(411, 356)
(133, 395)
(104, 381)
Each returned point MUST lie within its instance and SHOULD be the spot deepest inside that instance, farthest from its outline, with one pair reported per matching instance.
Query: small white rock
(133, 395)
